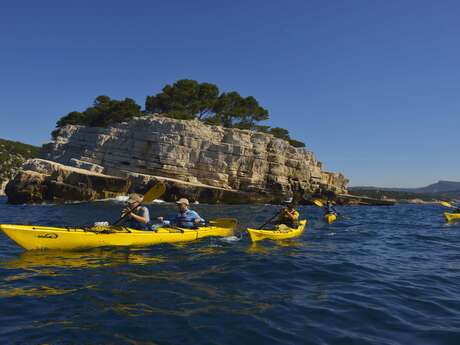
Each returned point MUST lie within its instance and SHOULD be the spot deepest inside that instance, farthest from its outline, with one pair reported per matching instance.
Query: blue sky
(372, 87)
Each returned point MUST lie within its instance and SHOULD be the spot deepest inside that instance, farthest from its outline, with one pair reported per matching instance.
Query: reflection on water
(269, 247)
(88, 259)
(41, 291)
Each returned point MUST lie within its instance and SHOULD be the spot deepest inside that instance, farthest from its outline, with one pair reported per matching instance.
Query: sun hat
(134, 197)
(288, 201)
(183, 201)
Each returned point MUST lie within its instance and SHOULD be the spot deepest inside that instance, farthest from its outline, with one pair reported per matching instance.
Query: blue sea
(379, 275)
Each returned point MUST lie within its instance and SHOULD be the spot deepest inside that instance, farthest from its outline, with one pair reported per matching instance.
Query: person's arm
(196, 218)
(293, 216)
(282, 214)
(290, 215)
(144, 218)
(166, 220)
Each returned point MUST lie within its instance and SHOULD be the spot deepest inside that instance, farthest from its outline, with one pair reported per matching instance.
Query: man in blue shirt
(186, 218)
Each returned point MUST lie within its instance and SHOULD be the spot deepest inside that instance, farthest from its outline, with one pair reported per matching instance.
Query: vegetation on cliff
(103, 112)
(185, 99)
(12, 155)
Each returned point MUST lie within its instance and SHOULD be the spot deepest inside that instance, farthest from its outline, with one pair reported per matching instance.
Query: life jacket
(187, 219)
(134, 224)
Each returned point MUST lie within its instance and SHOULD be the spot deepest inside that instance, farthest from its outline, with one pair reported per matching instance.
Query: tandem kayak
(330, 218)
(282, 233)
(451, 216)
(31, 237)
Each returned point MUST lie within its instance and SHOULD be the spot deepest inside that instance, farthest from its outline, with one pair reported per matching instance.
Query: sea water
(379, 275)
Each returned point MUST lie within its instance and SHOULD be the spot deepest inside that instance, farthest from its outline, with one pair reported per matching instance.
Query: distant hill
(438, 190)
(439, 187)
(12, 155)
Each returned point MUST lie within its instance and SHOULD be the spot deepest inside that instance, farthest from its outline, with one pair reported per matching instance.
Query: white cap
(183, 201)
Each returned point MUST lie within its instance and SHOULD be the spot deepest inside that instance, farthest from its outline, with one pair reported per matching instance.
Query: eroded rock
(206, 163)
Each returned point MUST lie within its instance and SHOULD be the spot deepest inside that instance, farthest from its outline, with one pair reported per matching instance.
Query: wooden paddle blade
(224, 222)
(318, 203)
(155, 192)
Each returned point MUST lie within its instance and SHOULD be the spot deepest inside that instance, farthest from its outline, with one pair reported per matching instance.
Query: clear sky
(372, 87)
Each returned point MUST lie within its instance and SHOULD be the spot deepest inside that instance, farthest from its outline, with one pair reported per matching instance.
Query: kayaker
(289, 216)
(186, 218)
(329, 208)
(138, 219)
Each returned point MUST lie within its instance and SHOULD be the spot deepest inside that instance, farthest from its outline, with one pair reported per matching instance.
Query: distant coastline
(441, 190)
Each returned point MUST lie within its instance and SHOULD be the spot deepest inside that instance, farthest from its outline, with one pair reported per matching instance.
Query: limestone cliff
(192, 154)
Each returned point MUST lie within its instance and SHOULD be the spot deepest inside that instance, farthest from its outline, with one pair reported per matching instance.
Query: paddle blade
(155, 192)
(446, 204)
(318, 203)
(224, 222)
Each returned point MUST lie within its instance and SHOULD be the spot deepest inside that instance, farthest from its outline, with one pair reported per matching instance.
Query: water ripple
(386, 275)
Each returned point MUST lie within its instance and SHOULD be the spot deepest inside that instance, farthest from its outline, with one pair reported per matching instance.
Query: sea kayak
(330, 218)
(31, 237)
(282, 233)
(451, 216)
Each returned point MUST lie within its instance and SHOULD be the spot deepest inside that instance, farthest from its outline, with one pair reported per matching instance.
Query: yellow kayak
(282, 233)
(451, 216)
(31, 237)
(330, 218)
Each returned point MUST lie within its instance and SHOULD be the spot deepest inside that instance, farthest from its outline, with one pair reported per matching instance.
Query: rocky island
(218, 160)
(204, 162)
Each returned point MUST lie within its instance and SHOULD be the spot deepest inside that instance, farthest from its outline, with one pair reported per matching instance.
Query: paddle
(446, 204)
(268, 221)
(153, 193)
(318, 203)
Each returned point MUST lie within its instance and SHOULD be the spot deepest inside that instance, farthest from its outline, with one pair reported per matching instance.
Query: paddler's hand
(126, 211)
(160, 219)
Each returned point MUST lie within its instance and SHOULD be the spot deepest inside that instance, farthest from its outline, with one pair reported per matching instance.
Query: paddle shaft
(268, 221)
(122, 218)
(156, 191)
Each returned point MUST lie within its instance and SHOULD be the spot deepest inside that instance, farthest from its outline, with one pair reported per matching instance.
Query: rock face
(40, 180)
(227, 165)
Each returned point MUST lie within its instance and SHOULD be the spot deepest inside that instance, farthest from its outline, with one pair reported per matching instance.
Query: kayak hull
(280, 234)
(330, 218)
(32, 237)
(451, 216)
